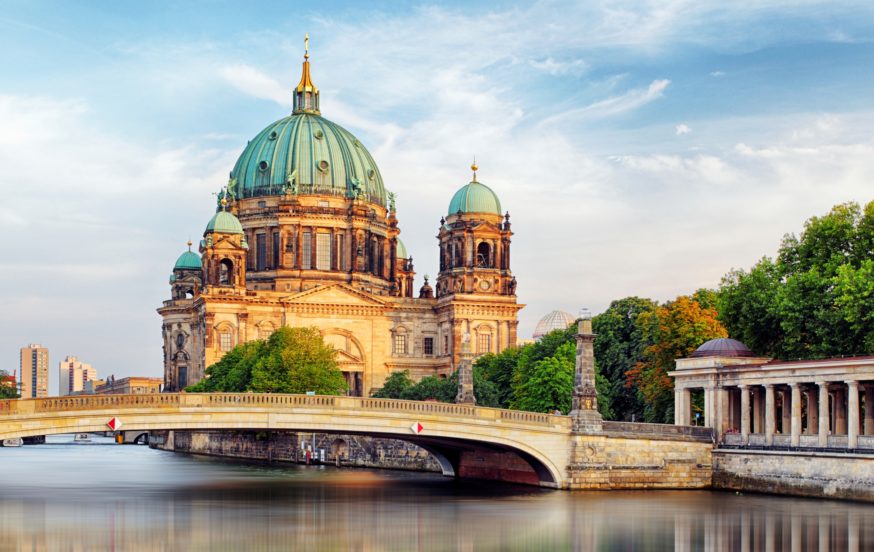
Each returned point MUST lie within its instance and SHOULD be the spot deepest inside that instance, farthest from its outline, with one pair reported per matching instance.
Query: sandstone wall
(815, 474)
(353, 450)
(637, 462)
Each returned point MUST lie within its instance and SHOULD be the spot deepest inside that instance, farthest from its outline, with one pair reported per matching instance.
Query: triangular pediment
(335, 294)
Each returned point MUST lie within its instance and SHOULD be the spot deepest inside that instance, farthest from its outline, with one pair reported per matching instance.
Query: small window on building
(306, 259)
(484, 343)
(400, 344)
(225, 341)
(275, 249)
(183, 377)
(261, 248)
(445, 344)
(323, 251)
(341, 255)
(429, 346)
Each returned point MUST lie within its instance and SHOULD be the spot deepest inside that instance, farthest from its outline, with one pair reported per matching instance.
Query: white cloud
(614, 105)
(682, 129)
(717, 74)
(554, 67)
(255, 83)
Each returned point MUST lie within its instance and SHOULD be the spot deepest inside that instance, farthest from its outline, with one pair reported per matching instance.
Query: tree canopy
(292, 360)
(816, 299)
(7, 391)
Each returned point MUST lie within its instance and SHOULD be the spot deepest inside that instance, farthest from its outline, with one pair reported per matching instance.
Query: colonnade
(822, 414)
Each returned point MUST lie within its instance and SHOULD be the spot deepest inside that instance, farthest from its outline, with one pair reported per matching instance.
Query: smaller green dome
(402, 250)
(224, 222)
(475, 197)
(188, 261)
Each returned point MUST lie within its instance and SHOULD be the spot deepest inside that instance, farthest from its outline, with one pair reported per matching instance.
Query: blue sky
(642, 148)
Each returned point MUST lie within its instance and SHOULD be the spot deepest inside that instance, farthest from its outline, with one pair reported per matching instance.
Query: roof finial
(224, 204)
(474, 167)
(189, 244)
(306, 46)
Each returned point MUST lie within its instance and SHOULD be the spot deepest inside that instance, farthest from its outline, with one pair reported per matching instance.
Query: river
(102, 496)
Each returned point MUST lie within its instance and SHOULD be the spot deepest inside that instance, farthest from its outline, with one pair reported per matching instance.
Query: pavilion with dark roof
(755, 401)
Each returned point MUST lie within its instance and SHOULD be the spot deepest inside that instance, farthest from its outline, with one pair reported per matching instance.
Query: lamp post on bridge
(585, 415)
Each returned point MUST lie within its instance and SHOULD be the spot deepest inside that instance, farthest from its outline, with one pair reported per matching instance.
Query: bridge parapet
(658, 431)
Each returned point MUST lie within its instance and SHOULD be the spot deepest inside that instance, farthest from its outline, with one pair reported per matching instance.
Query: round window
(318, 134)
(323, 165)
(272, 135)
(262, 166)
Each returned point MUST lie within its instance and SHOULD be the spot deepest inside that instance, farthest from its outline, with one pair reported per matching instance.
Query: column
(786, 411)
(678, 406)
(823, 413)
(722, 416)
(796, 415)
(869, 410)
(708, 407)
(770, 418)
(757, 412)
(744, 414)
(812, 412)
(853, 414)
(840, 404)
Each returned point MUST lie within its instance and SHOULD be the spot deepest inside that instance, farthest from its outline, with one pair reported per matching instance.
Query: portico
(754, 401)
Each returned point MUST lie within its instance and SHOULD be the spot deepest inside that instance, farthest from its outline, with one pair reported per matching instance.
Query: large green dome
(224, 222)
(324, 158)
(188, 261)
(475, 197)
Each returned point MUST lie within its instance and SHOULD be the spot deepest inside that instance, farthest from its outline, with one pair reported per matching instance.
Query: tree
(395, 385)
(619, 346)
(497, 370)
(814, 301)
(7, 391)
(292, 360)
(549, 383)
(674, 330)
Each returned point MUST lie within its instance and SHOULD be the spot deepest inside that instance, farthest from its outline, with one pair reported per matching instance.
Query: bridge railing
(271, 400)
(658, 430)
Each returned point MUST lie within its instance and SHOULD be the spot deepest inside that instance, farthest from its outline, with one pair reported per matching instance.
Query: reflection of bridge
(468, 441)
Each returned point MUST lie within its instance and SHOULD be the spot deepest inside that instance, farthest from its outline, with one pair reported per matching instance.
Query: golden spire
(306, 81)
(189, 244)
(474, 167)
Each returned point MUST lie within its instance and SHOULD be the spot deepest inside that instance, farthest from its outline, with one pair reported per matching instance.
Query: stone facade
(278, 446)
(314, 241)
(815, 474)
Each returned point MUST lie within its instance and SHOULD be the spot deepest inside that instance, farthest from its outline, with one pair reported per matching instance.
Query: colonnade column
(823, 413)
(786, 412)
(840, 407)
(708, 407)
(812, 412)
(744, 414)
(769, 414)
(796, 415)
(869, 410)
(853, 414)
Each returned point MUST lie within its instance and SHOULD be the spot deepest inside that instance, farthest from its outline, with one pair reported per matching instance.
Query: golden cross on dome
(306, 46)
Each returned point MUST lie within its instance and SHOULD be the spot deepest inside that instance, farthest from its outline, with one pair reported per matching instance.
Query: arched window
(484, 255)
(226, 272)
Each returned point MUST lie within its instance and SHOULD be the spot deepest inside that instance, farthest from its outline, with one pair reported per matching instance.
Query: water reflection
(78, 497)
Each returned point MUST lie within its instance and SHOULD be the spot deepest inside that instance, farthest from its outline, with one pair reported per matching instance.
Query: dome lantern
(306, 95)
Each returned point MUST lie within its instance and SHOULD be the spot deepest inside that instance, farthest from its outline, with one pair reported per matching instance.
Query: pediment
(347, 358)
(336, 294)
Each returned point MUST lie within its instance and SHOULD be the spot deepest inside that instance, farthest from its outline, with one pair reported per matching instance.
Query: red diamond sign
(114, 424)
(416, 428)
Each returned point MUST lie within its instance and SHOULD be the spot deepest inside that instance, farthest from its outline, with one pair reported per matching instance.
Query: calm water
(102, 496)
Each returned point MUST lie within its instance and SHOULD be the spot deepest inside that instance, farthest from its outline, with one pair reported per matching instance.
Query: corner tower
(475, 286)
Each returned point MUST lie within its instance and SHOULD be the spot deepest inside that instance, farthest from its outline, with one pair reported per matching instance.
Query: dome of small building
(224, 222)
(475, 197)
(188, 261)
(556, 320)
(402, 250)
(723, 347)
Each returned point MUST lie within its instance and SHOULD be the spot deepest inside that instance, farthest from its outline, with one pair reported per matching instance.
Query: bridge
(468, 441)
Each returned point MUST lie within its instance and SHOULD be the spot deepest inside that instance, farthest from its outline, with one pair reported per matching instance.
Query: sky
(641, 148)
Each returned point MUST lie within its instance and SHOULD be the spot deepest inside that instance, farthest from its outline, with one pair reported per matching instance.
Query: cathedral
(305, 234)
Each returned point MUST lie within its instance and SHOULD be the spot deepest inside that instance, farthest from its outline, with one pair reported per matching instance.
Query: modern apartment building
(73, 375)
(34, 371)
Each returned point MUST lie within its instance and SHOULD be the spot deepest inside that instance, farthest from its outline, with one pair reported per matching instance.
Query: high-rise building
(34, 371)
(73, 375)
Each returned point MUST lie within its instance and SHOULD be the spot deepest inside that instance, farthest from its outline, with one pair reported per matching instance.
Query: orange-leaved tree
(675, 330)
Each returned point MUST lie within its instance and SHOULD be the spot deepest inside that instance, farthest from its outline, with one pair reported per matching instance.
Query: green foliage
(497, 370)
(292, 360)
(674, 331)
(396, 384)
(7, 392)
(816, 299)
(548, 383)
(619, 346)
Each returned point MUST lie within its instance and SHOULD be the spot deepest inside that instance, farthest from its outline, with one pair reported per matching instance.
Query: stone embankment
(280, 446)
